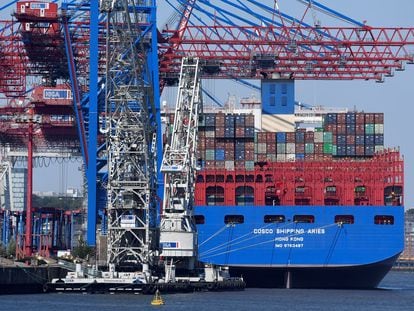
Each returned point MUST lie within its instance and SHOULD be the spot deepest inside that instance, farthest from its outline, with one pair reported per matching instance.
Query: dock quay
(20, 279)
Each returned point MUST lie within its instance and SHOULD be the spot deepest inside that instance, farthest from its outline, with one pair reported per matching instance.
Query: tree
(11, 248)
(3, 250)
(82, 250)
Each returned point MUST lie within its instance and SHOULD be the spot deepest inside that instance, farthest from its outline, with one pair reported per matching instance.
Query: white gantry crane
(178, 237)
(131, 134)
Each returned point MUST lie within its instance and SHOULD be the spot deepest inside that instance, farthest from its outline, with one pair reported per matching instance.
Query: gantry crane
(130, 138)
(259, 40)
(178, 238)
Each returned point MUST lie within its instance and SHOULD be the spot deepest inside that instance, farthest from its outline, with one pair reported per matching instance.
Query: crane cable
(241, 239)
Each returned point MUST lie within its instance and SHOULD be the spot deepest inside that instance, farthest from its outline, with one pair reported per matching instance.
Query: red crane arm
(298, 51)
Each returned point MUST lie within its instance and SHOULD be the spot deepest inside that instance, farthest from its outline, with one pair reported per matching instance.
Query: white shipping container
(379, 128)
(261, 148)
(290, 157)
(229, 165)
(210, 134)
(281, 158)
(290, 148)
(318, 137)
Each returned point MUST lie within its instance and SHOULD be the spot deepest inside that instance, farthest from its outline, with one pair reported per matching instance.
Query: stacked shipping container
(355, 134)
(226, 141)
(229, 140)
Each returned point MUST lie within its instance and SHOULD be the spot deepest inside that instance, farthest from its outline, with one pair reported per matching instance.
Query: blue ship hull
(317, 254)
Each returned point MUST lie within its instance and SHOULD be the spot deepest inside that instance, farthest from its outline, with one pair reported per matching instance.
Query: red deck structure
(371, 181)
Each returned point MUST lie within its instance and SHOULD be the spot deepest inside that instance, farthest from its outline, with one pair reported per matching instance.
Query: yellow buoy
(157, 299)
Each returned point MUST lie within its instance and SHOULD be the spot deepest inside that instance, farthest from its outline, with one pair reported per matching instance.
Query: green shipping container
(327, 137)
(210, 154)
(369, 129)
(309, 148)
(249, 165)
(327, 148)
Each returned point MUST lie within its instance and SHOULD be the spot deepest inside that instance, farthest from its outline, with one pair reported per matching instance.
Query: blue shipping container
(379, 139)
(281, 137)
(369, 139)
(360, 140)
(220, 154)
(350, 118)
(341, 139)
(369, 150)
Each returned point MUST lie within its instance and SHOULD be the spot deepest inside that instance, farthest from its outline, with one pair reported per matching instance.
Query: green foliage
(83, 251)
(66, 203)
(11, 248)
(3, 250)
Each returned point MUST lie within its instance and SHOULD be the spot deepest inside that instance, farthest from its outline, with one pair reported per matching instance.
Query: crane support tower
(178, 237)
(131, 139)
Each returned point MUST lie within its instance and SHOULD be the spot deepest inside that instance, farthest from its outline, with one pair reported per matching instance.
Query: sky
(394, 97)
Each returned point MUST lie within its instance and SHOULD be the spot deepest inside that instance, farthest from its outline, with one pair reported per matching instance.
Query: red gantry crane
(256, 40)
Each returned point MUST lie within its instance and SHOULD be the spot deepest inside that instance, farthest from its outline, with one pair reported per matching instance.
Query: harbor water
(396, 292)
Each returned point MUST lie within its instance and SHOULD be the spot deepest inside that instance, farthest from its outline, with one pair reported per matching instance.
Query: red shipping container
(229, 146)
(249, 121)
(360, 150)
(360, 118)
(220, 145)
(300, 148)
(341, 129)
(331, 128)
(369, 118)
(309, 137)
(249, 146)
(350, 139)
(249, 155)
(239, 132)
(341, 118)
(239, 165)
(229, 155)
(210, 143)
(379, 118)
(219, 132)
(309, 157)
(290, 137)
(219, 164)
(271, 148)
(360, 129)
(210, 164)
(319, 148)
(261, 137)
(270, 137)
(220, 119)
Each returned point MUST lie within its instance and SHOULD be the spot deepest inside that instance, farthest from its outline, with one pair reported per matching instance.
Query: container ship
(298, 198)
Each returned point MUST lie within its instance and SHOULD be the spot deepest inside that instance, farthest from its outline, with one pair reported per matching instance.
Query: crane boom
(178, 238)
